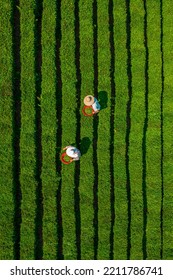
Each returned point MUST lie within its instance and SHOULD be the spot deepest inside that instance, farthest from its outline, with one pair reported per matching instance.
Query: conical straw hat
(88, 100)
(72, 152)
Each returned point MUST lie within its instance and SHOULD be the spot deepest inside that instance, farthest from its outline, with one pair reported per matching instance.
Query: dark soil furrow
(161, 127)
(38, 133)
(16, 80)
(95, 130)
(128, 123)
(144, 184)
(113, 96)
(78, 133)
(59, 127)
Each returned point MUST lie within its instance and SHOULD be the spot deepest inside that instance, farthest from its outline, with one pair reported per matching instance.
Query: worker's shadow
(84, 145)
(103, 99)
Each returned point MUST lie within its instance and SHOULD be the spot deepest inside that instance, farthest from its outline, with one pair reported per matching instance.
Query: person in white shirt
(73, 153)
(90, 100)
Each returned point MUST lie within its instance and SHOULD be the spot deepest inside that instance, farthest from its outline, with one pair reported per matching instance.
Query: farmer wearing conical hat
(72, 152)
(90, 100)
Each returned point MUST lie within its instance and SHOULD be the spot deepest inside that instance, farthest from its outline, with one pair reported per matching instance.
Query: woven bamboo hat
(89, 100)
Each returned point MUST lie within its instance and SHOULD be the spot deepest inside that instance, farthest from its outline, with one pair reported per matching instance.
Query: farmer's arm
(74, 159)
(66, 148)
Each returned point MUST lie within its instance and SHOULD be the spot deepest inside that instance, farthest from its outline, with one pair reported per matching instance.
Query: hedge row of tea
(117, 201)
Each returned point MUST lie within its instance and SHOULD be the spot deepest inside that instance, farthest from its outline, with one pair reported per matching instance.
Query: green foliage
(167, 128)
(104, 61)
(49, 127)
(153, 133)
(68, 126)
(6, 131)
(137, 123)
(121, 216)
(86, 166)
(27, 139)
(50, 178)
